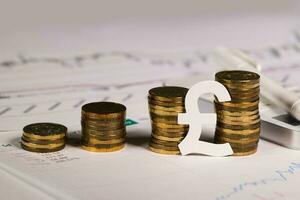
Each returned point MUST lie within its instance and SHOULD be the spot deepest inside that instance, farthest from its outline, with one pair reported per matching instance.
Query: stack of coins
(103, 126)
(44, 137)
(238, 121)
(164, 105)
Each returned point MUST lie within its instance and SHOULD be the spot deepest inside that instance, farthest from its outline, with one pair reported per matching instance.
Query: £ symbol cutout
(195, 119)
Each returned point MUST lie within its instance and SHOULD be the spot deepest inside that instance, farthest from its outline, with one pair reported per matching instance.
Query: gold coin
(95, 141)
(171, 139)
(41, 150)
(237, 113)
(233, 106)
(240, 141)
(166, 104)
(164, 147)
(85, 126)
(165, 113)
(104, 134)
(241, 100)
(239, 105)
(238, 122)
(36, 141)
(170, 130)
(238, 76)
(242, 87)
(245, 119)
(116, 125)
(237, 136)
(175, 101)
(164, 125)
(103, 120)
(235, 99)
(169, 135)
(244, 94)
(42, 146)
(163, 120)
(244, 148)
(168, 93)
(103, 110)
(228, 120)
(167, 109)
(108, 116)
(162, 151)
(235, 109)
(45, 131)
(104, 137)
(243, 145)
(164, 143)
(158, 120)
(241, 118)
(244, 91)
(168, 118)
(87, 143)
(244, 153)
(238, 127)
(237, 132)
(103, 150)
(38, 137)
(239, 86)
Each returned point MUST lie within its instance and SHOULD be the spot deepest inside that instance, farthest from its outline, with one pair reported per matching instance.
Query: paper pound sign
(191, 143)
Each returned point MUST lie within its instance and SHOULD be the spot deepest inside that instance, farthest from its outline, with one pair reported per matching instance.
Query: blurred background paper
(69, 26)
(57, 55)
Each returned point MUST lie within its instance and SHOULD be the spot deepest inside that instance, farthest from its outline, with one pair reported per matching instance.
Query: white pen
(274, 92)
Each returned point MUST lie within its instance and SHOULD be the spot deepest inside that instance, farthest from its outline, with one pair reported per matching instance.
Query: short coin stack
(238, 121)
(103, 126)
(164, 105)
(43, 137)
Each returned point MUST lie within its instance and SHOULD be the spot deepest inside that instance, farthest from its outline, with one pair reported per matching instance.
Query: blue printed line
(279, 176)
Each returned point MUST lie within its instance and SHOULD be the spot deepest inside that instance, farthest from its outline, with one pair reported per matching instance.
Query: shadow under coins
(16, 142)
(138, 138)
(73, 139)
(133, 137)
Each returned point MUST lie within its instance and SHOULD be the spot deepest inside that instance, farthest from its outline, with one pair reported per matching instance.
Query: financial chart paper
(51, 87)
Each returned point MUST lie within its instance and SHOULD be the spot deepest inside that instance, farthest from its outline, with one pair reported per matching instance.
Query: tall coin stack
(103, 126)
(164, 105)
(43, 137)
(238, 121)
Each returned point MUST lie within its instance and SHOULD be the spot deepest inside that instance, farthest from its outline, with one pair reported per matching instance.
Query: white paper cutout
(195, 119)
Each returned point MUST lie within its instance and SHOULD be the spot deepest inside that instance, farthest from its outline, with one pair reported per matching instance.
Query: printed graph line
(129, 96)
(279, 176)
(297, 35)
(275, 52)
(79, 60)
(54, 106)
(29, 109)
(197, 57)
(188, 63)
(79, 103)
(105, 98)
(5, 110)
(71, 88)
